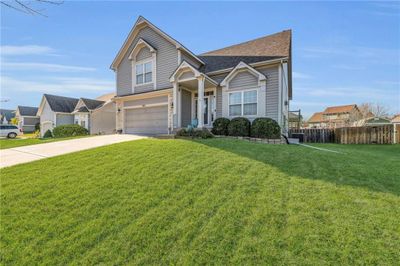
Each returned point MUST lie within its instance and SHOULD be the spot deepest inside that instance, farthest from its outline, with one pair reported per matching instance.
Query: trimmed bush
(264, 127)
(239, 126)
(69, 131)
(220, 126)
(202, 133)
(48, 134)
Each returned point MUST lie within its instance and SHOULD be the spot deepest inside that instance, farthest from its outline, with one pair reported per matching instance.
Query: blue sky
(343, 52)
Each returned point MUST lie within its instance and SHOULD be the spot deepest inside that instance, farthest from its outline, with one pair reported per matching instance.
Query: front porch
(194, 97)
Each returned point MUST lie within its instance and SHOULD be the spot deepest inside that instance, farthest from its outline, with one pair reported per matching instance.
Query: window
(144, 73)
(243, 103)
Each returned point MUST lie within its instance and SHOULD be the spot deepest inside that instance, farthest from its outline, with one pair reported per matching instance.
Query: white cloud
(298, 75)
(26, 50)
(43, 67)
(57, 85)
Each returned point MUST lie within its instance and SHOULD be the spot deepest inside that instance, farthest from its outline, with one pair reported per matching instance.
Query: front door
(206, 110)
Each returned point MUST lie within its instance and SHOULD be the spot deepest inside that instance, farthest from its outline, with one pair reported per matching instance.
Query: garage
(147, 120)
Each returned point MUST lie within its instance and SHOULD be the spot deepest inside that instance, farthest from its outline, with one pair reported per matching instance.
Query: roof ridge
(245, 42)
(53, 95)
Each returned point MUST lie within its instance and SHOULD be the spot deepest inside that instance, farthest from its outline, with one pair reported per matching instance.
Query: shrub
(203, 133)
(239, 126)
(48, 134)
(220, 126)
(264, 127)
(37, 126)
(69, 131)
(182, 133)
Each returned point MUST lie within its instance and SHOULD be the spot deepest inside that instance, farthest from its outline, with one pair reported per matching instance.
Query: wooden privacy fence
(365, 135)
(315, 135)
(384, 134)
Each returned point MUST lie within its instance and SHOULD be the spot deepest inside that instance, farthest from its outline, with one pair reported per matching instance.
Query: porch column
(200, 102)
(175, 104)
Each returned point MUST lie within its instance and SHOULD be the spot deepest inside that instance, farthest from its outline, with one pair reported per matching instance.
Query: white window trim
(242, 103)
(153, 60)
(143, 62)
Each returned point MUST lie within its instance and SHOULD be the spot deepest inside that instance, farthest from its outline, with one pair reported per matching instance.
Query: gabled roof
(277, 44)
(316, 117)
(60, 103)
(92, 104)
(214, 63)
(7, 113)
(82, 109)
(27, 110)
(240, 67)
(340, 109)
(128, 41)
(396, 119)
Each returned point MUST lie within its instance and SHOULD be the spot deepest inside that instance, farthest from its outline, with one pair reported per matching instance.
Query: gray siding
(186, 103)
(219, 102)
(243, 80)
(144, 88)
(188, 58)
(159, 99)
(167, 62)
(272, 95)
(28, 128)
(64, 119)
(186, 75)
(144, 53)
(31, 121)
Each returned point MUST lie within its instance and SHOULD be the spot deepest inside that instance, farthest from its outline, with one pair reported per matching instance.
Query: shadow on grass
(373, 167)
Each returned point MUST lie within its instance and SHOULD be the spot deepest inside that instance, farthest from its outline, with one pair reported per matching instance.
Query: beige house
(27, 118)
(162, 86)
(335, 116)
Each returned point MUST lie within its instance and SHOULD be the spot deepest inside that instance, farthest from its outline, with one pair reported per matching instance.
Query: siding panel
(167, 62)
(190, 60)
(144, 53)
(160, 99)
(219, 102)
(272, 94)
(243, 80)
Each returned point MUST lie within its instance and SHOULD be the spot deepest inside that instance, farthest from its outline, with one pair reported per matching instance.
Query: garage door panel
(147, 120)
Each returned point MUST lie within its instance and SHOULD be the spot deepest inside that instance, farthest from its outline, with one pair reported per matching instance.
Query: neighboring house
(96, 116)
(27, 118)
(372, 121)
(106, 97)
(295, 120)
(55, 111)
(162, 86)
(317, 121)
(396, 119)
(335, 116)
(6, 115)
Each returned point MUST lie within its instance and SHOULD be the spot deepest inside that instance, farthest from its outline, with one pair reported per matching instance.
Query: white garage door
(147, 120)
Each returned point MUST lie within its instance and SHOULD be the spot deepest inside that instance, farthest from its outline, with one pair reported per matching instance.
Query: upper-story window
(144, 73)
(243, 103)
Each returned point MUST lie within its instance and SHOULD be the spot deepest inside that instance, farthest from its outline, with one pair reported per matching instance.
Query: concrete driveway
(18, 155)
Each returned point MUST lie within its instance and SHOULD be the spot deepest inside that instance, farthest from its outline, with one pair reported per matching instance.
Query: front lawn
(213, 201)
(6, 143)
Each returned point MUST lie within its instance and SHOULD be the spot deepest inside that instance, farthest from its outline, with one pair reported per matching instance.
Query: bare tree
(373, 109)
(30, 7)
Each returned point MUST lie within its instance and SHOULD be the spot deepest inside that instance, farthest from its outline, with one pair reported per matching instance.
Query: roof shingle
(277, 44)
(60, 103)
(27, 110)
(340, 109)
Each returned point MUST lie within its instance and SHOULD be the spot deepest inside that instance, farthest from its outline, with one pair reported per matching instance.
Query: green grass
(207, 202)
(6, 143)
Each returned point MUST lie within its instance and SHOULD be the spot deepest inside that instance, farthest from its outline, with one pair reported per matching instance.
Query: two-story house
(335, 116)
(162, 86)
